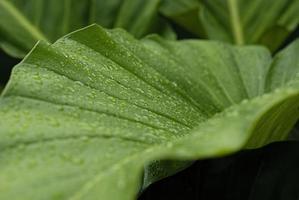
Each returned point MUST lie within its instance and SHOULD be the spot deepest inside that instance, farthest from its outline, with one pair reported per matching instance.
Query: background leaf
(85, 115)
(24, 22)
(237, 21)
(184, 13)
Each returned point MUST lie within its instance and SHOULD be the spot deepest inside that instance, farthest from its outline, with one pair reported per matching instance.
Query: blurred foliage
(24, 22)
(236, 21)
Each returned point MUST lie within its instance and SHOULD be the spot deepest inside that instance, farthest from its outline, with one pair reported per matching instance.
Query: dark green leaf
(237, 21)
(81, 118)
(24, 22)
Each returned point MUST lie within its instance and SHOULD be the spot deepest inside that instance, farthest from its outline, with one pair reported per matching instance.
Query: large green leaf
(236, 21)
(84, 117)
(24, 22)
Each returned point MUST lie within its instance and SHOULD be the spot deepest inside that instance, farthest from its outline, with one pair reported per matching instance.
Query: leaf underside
(85, 117)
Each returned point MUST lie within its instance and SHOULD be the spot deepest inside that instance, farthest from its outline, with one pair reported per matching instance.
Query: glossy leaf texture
(24, 22)
(92, 115)
(236, 21)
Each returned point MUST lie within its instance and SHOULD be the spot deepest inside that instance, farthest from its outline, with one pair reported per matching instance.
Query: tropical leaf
(237, 21)
(24, 22)
(85, 117)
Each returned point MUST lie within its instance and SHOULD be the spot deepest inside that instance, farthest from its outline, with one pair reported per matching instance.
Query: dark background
(269, 173)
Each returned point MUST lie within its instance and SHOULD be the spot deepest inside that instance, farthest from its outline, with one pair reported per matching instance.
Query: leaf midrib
(89, 110)
(69, 137)
(109, 94)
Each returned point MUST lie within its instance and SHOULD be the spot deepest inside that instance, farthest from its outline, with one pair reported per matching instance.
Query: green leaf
(237, 21)
(184, 13)
(24, 22)
(85, 117)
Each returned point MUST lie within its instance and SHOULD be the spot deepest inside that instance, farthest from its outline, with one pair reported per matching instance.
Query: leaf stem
(235, 22)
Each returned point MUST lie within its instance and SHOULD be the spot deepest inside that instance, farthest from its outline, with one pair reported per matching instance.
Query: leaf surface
(85, 117)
